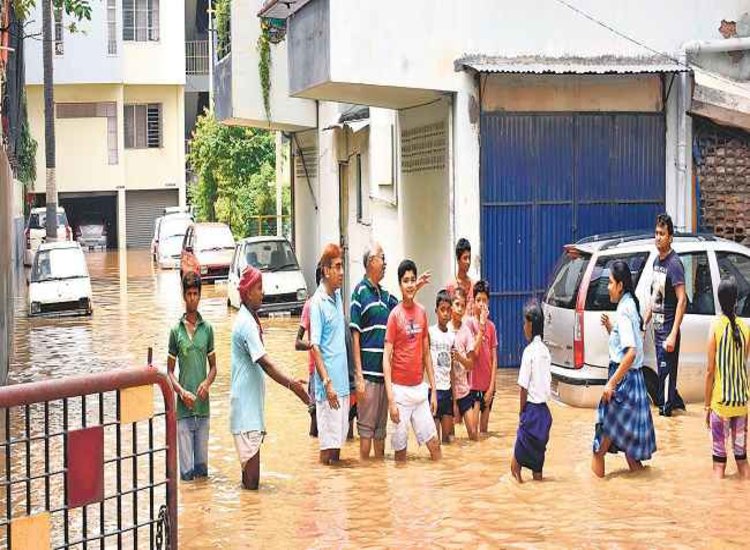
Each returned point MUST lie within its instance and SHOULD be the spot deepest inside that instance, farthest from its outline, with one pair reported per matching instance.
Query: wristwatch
(326, 381)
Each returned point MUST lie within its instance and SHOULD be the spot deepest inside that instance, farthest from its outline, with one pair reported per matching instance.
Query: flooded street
(467, 499)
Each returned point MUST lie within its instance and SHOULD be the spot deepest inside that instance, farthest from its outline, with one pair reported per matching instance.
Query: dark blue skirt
(626, 419)
(532, 436)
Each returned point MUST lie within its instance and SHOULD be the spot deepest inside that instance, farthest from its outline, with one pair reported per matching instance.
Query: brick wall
(721, 159)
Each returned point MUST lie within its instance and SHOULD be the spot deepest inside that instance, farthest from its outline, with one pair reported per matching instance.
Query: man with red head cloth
(249, 361)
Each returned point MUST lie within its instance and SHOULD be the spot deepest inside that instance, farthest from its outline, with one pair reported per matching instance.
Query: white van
(36, 230)
(59, 282)
(284, 285)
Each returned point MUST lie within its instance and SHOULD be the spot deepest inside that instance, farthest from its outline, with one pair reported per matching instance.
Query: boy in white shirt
(441, 345)
(534, 379)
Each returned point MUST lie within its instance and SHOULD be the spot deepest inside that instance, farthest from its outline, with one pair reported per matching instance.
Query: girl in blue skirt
(624, 416)
(534, 379)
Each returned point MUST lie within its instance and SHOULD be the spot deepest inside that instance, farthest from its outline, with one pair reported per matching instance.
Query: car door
(737, 265)
(699, 314)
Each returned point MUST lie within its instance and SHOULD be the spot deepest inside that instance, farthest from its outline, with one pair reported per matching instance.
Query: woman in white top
(534, 379)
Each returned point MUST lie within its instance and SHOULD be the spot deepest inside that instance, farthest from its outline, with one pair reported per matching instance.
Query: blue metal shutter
(550, 179)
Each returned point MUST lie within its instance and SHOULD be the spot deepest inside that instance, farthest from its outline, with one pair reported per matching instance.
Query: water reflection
(465, 500)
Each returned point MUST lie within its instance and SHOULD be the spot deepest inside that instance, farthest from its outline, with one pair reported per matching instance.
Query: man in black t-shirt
(667, 309)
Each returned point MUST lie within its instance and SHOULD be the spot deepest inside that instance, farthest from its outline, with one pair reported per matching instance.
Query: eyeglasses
(381, 256)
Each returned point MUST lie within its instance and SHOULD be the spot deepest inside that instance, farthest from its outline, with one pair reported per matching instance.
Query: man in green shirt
(191, 344)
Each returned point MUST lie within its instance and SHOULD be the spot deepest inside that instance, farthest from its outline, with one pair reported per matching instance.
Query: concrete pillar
(121, 220)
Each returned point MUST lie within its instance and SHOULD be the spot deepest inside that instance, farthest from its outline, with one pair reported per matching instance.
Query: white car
(59, 281)
(578, 296)
(284, 286)
(172, 229)
(155, 239)
(36, 231)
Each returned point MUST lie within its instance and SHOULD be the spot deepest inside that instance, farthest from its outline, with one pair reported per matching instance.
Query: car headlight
(204, 270)
(301, 294)
(36, 307)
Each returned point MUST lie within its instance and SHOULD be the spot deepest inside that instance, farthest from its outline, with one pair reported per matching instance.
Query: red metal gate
(89, 463)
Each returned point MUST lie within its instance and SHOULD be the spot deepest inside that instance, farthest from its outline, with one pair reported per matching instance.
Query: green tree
(235, 169)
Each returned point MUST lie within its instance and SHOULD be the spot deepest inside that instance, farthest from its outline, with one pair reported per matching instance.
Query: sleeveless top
(730, 393)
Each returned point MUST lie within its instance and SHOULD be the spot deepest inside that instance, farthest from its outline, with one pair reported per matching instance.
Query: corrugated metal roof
(605, 64)
(280, 9)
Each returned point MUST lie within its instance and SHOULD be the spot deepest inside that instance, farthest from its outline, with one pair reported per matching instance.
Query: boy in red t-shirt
(406, 359)
(482, 376)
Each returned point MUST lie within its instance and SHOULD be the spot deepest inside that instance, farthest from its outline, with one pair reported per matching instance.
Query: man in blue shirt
(247, 395)
(328, 340)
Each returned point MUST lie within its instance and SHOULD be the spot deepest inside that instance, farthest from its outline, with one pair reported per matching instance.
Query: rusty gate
(89, 462)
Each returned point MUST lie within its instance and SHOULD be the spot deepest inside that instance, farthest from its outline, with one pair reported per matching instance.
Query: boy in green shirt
(191, 344)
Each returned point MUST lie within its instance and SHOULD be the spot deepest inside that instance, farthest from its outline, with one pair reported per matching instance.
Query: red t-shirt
(481, 375)
(406, 330)
(304, 322)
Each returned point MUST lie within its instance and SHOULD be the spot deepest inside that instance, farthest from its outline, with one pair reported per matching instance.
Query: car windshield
(37, 220)
(215, 237)
(271, 256)
(92, 229)
(176, 226)
(170, 246)
(59, 263)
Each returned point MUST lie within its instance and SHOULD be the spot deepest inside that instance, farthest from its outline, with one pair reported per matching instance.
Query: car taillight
(28, 239)
(578, 340)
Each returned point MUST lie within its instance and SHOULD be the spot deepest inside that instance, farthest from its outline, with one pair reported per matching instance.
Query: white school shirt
(535, 373)
(440, 350)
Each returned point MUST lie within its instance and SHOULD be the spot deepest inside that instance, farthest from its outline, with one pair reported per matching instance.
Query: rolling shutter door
(142, 208)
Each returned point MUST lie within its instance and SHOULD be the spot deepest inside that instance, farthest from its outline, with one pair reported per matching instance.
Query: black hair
(533, 314)
(620, 271)
(404, 266)
(482, 286)
(458, 292)
(665, 220)
(191, 280)
(728, 303)
(463, 245)
(443, 296)
(318, 274)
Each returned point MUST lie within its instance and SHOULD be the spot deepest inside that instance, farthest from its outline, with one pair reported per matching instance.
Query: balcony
(351, 52)
(238, 95)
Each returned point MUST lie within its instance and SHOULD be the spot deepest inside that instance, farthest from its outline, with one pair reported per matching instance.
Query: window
(698, 287)
(58, 15)
(140, 20)
(597, 297)
(143, 126)
(112, 27)
(737, 266)
(564, 288)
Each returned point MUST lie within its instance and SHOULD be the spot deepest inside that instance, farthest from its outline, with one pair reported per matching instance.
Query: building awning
(280, 9)
(357, 117)
(605, 64)
(721, 99)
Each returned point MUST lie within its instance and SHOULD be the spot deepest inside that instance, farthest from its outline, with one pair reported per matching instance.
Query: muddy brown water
(466, 500)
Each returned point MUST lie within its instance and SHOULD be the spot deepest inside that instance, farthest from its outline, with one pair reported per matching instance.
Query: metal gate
(86, 464)
(551, 179)
(141, 210)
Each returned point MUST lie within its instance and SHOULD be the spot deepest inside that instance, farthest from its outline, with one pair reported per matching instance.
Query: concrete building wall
(307, 199)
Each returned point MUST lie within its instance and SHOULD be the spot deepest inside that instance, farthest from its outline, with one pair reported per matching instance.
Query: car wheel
(652, 381)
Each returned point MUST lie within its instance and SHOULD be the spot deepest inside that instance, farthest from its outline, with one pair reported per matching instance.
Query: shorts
(414, 409)
(465, 403)
(724, 428)
(444, 404)
(478, 396)
(372, 413)
(247, 445)
(333, 424)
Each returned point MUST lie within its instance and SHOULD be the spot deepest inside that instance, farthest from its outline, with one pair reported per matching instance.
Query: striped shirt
(730, 393)
(370, 307)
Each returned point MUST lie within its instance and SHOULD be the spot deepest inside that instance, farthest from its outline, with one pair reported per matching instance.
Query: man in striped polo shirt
(370, 307)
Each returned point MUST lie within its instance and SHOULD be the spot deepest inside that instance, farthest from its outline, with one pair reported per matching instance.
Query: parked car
(578, 296)
(36, 231)
(172, 229)
(207, 249)
(284, 285)
(178, 210)
(59, 282)
(155, 239)
(91, 233)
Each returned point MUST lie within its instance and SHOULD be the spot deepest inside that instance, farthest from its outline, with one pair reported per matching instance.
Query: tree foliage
(235, 169)
(80, 9)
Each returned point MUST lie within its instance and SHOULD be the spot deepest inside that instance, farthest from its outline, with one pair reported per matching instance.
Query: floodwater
(466, 500)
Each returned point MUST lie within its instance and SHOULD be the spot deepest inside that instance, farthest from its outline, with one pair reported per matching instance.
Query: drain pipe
(684, 187)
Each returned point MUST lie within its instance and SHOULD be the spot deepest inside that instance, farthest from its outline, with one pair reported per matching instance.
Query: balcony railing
(196, 57)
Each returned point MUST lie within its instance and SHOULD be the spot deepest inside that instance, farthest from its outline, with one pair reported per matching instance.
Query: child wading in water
(534, 378)
(463, 400)
(726, 382)
(441, 345)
